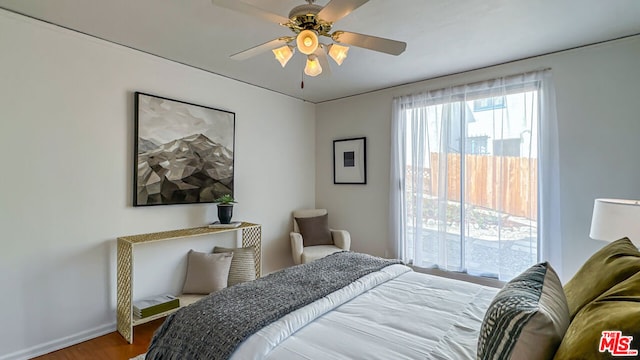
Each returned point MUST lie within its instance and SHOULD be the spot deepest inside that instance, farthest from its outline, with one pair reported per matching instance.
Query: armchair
(321, 240)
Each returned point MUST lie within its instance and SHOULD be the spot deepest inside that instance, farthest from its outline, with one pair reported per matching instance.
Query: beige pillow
(243, 265)
(618, 309)
(206, 273)
(527, 318)
(612, 264)
(315, 230)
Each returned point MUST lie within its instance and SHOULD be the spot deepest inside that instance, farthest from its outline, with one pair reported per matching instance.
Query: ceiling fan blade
(337, 9)
(321, 53)
(375, 43)
(269, 45)
(245, 8)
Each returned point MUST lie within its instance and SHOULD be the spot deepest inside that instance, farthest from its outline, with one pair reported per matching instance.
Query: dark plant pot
(225, 212)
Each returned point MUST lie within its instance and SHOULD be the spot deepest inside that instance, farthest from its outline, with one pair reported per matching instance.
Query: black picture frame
(183, 152)
(350, 161)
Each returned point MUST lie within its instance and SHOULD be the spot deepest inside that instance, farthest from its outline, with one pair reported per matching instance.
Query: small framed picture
(350, 161)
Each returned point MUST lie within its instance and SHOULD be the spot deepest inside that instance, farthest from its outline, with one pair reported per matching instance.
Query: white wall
(66, 139)
(599, 127)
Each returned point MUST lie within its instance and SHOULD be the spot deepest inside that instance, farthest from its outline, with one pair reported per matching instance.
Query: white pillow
(206, 273)
(243, 265)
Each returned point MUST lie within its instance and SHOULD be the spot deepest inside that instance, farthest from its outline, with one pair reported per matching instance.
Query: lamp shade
(307, 42)
(338, 53)
(313, 67)
(283, 54)
(614, 219)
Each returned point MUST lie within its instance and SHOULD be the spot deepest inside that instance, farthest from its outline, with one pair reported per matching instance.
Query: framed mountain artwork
(184, 153)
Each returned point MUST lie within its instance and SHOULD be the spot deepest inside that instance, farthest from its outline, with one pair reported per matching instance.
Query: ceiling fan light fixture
(338, 53)
(313, 67)
(307, 41)
(283, 54)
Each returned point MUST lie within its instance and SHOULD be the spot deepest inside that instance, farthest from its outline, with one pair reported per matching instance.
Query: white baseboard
(60, 343)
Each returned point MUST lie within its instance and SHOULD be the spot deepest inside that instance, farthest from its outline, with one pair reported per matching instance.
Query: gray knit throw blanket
(213, 327)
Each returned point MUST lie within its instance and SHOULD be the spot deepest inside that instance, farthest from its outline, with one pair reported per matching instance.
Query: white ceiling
(443, 36)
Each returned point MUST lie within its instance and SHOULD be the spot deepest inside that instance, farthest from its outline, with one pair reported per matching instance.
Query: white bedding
(391, 314)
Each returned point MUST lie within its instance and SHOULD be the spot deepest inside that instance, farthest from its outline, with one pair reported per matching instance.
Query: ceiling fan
(308, 22)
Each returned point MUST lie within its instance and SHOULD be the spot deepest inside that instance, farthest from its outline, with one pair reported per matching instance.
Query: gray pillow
(527, 318)
(206, 273)
(243, 265)
(315, 230)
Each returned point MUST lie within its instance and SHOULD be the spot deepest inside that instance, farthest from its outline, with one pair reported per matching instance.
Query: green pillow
(618, 309)
(610, 265)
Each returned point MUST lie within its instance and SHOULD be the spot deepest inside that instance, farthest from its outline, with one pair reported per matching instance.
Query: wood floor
(108, 347)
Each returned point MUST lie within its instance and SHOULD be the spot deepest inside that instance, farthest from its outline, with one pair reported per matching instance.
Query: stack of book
(219, 225)
(155, 305)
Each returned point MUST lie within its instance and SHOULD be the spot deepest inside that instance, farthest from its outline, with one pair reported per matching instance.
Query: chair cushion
(315, 230)
(527, 318)
(612, 264)
(618, 309)
(206, 273)
(243, 265)
(317, 252)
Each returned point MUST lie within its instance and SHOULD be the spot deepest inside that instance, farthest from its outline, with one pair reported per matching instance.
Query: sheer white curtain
(550, 241)
(474, 177)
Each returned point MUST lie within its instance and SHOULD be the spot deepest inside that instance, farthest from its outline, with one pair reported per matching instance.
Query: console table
(251, 236)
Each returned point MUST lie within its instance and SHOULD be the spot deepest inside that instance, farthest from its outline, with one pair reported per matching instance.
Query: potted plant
(225, 208)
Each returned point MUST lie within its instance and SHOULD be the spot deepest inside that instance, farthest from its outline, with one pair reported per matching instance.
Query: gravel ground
(506, 257)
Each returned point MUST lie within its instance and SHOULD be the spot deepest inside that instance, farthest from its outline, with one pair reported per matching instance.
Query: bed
(441, 316)
(356, 306)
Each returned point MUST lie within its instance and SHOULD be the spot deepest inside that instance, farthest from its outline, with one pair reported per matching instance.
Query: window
(477, 144)
(507, 147)
(489, 103)
(467, 164)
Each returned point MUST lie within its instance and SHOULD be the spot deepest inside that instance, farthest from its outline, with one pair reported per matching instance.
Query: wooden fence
(503, 183)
